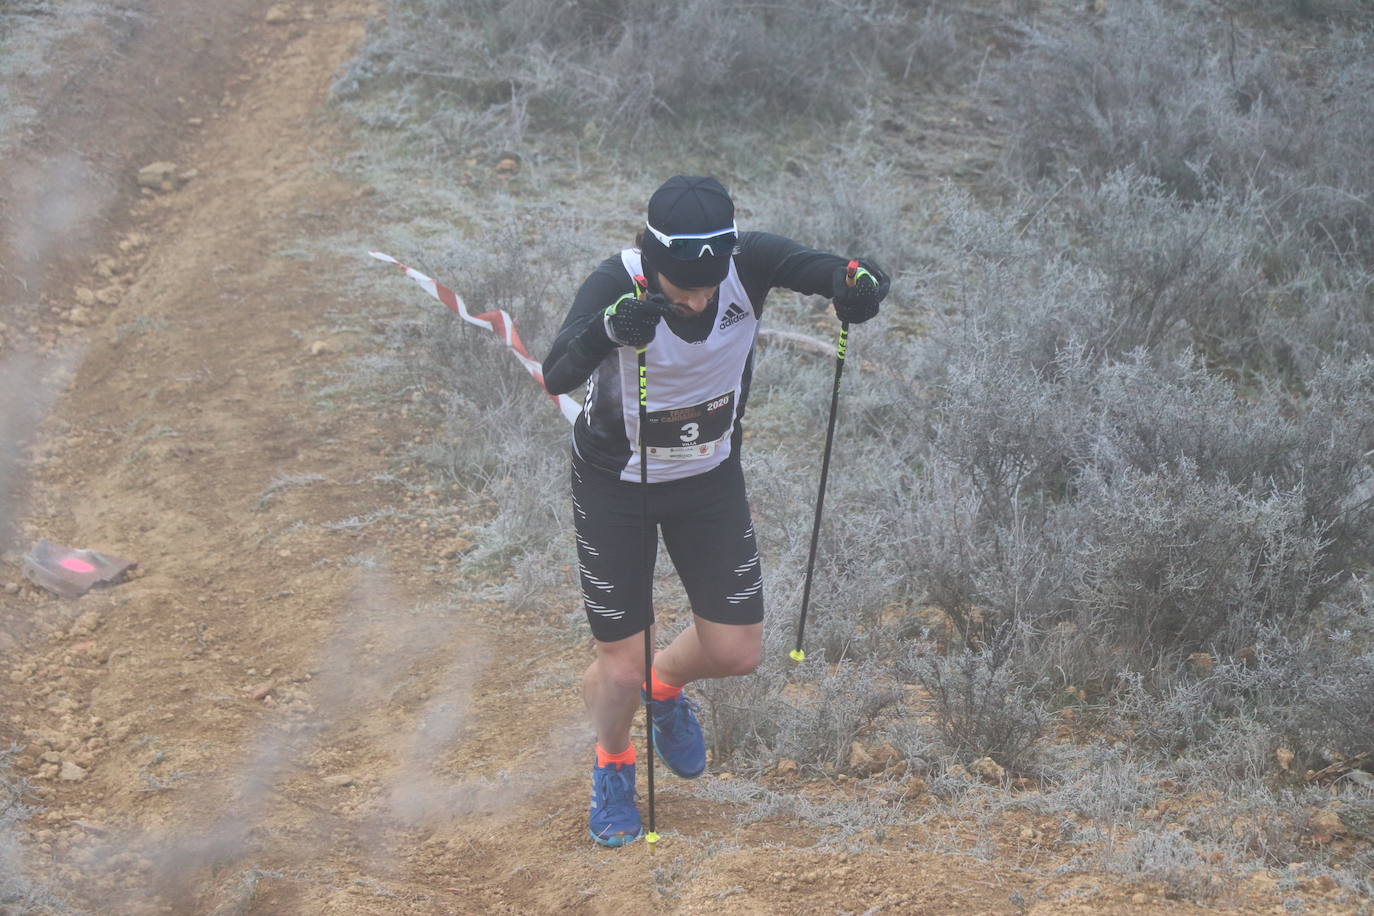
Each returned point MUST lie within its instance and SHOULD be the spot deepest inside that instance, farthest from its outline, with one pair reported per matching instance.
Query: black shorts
(706, 527)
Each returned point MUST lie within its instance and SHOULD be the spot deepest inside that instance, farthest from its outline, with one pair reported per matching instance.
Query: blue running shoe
(677, 736)
(615, 816)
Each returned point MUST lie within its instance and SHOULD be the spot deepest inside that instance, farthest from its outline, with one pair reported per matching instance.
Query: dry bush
(17, 888)
(1152, 88)
(491, 72)
(980, 706)
(1314, 690)
(1188, 99)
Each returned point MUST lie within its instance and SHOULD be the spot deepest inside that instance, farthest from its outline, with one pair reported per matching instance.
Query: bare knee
(737, 660)
(621, 672)
(730, 650)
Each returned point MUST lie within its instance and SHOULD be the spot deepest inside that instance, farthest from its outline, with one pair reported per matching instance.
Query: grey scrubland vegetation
(1104, 459)
(17, 889)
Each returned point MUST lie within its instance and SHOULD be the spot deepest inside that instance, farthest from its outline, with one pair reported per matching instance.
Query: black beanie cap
(685, 206)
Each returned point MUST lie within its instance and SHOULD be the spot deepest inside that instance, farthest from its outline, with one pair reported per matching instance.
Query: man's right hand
(631, 322)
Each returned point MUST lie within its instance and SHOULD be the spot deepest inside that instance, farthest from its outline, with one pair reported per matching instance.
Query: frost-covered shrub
(487, 72)
(1171, 560)
(980, 707)
(1180, 96)
(17, 887)
(1316, 690)
(824, 713)
(810, 712)
(1150, 88)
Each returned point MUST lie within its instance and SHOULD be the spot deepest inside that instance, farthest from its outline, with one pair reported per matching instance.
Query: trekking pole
(850, 276)
(651, 837)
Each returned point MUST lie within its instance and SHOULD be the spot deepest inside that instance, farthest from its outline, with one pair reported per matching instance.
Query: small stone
(1202, 663)
(195, 122)
(786, 768)
(79, 317)
(1327, 821)
(887, 756)
(51, 757)
(318, 347)
(339, 780)
(988, 770)
(86, 624)
(71, 772)
(1285, 757)
(277, 15)
(860, 761)
(454, 547)
(262, 690)
(1324, 884)
(84, 295)
(11, 588)
(1139, 899)
(156, 175)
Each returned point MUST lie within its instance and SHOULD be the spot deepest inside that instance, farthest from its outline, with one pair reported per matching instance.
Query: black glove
(858, 303)
(631, 322)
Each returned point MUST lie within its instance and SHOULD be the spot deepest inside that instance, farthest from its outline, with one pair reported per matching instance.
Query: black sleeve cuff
(592, 345)
(579, 360)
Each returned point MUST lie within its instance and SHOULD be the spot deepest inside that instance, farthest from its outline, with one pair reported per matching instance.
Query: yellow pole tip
(651, 838)
(797, 655)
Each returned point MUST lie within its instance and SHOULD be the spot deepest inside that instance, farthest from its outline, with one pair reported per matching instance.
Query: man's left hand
(858, 303)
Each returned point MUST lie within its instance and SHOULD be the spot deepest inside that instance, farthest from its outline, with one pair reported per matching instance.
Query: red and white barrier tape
(498, 322)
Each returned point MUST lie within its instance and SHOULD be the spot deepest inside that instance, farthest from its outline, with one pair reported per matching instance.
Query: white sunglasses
(701, 245)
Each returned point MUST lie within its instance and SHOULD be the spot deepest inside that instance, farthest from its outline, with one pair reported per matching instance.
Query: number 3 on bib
(682, 433)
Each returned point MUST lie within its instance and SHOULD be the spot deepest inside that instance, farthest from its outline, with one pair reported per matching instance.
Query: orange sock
(624, 757)
(662, 690)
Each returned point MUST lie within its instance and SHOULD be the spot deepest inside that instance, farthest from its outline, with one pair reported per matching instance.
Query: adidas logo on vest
(733, 315)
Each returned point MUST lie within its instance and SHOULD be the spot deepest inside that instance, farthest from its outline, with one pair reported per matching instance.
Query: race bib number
(680, 433)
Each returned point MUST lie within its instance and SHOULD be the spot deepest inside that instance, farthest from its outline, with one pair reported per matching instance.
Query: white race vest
(693, 388)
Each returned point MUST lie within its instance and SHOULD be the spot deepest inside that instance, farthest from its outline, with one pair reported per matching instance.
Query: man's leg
(611, 559)
(713, 547)
(610, 688)
(710, 537)
(709, 649)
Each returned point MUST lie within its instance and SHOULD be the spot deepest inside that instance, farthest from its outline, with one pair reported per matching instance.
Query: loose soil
(286, 709)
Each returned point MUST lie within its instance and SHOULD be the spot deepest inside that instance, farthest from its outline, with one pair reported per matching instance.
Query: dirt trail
(284, 712)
